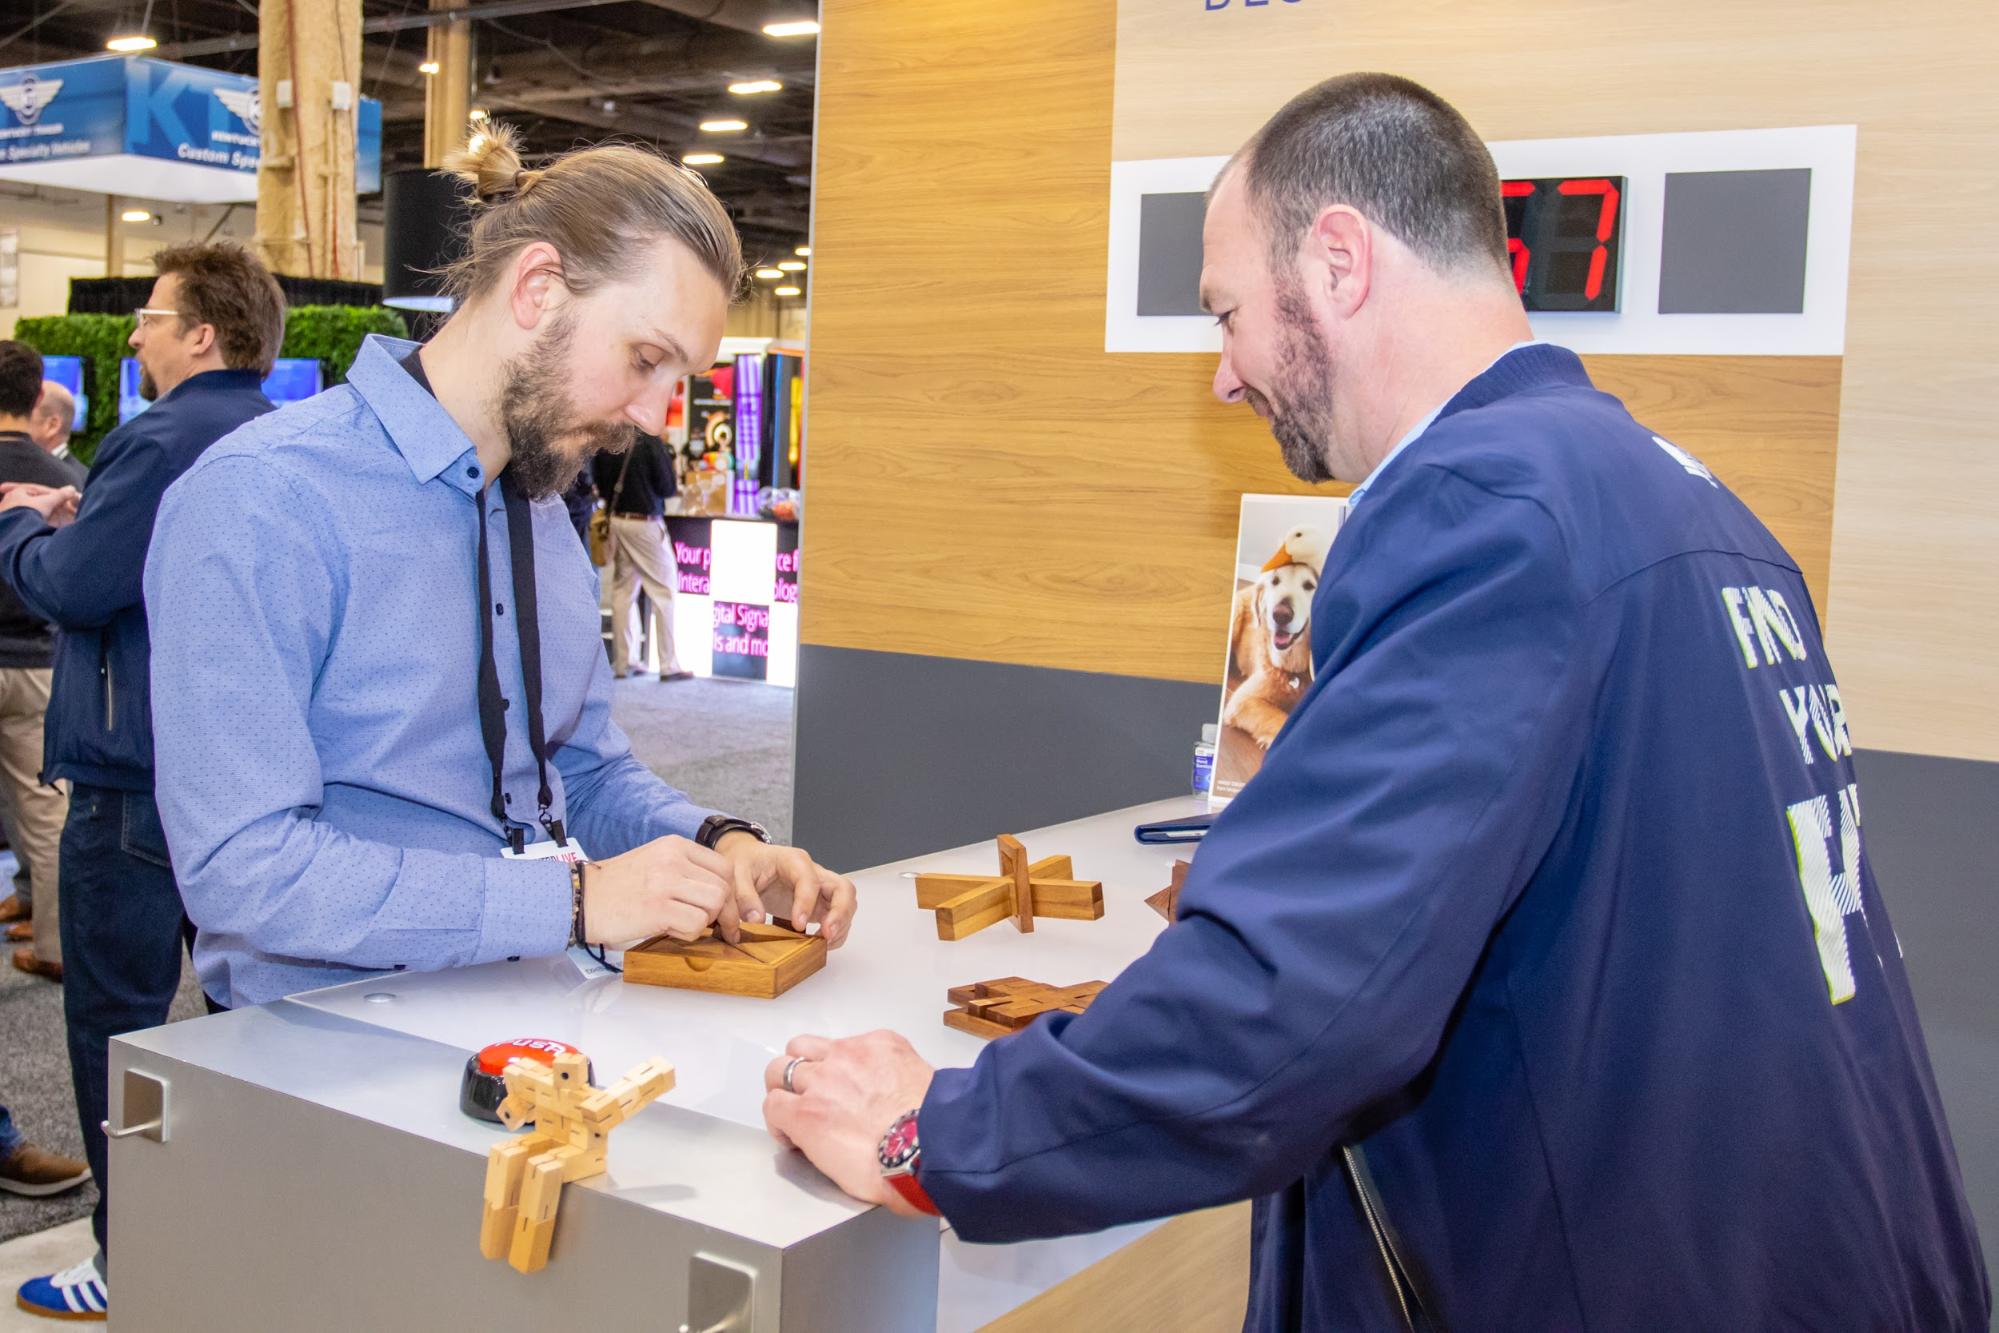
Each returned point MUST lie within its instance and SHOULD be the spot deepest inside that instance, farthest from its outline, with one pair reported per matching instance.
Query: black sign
(1562, 236)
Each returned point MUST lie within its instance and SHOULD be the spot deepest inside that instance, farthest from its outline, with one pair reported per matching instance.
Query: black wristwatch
(715, 827)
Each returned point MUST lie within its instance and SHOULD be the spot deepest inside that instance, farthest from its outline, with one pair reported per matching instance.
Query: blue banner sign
(132, 107)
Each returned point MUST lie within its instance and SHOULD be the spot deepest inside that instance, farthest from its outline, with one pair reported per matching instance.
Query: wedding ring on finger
(790, 1068)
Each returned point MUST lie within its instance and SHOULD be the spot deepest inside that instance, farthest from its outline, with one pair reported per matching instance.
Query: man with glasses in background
(205, 340)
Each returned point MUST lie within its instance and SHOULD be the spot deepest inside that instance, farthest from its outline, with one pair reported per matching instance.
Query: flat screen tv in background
(292, 379)
(68, 372)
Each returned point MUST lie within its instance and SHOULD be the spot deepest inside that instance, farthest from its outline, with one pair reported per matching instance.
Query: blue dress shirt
(326, 793)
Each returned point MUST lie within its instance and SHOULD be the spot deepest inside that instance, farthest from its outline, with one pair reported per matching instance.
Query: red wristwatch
(901, 1155)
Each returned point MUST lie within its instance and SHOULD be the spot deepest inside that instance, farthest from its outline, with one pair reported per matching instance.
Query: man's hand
(670, 886)
(784, 881)
(56, 504)
(848, 1093)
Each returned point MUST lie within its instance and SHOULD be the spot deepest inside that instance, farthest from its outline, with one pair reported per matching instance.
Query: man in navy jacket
(1539, 979)
(205, 340)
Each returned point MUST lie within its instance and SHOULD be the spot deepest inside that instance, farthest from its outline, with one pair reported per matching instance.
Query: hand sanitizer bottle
(1204, 759)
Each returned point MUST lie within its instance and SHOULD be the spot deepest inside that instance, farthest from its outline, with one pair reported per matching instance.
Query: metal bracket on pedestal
(143, 1108)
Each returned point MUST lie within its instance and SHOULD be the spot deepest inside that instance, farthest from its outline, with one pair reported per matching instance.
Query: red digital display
(1562, 235)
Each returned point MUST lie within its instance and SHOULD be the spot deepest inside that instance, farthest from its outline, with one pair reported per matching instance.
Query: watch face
(898, 1146)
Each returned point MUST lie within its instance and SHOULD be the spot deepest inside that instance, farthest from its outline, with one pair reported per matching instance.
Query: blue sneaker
(74, 1293)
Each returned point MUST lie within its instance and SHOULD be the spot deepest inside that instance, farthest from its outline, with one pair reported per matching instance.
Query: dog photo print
(1281, 545)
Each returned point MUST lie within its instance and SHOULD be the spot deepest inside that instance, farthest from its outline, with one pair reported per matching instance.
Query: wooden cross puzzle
(1166, 902)
(966, 904)
(769, 960)
(572, 1132)
(997, 1008)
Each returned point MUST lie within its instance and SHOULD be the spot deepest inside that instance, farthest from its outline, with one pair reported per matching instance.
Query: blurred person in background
(34, 810)
(50, 426)
(636, 486)
(204, 340)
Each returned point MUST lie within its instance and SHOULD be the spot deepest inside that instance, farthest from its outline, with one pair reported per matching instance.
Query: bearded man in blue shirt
(1539, 979)
(378, 675)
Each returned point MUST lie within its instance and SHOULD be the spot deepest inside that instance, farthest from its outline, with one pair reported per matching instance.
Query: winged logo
(27, 98)
(246, 104)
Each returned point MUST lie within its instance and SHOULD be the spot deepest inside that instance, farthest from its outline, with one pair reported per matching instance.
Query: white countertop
(892, 973)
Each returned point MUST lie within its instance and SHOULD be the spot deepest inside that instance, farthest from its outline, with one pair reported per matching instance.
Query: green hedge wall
(330, 333)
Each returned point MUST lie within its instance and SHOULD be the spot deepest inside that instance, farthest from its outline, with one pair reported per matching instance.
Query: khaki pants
(35, 813)
(641, 553)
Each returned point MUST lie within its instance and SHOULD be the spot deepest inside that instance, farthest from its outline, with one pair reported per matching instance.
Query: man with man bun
(414, 737)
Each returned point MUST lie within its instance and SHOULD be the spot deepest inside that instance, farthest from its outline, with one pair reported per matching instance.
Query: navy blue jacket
(86, 579)
(1552, 897)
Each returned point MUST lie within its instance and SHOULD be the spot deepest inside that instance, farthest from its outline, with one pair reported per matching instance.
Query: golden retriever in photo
(1270, 650)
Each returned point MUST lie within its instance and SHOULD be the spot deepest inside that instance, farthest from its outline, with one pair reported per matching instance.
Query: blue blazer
(1552, 898)
(87, 579)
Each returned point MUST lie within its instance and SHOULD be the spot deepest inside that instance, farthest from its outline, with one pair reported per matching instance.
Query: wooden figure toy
(966, 904)
(770, 959)
(995, 1008)
(572, 1128)
(1166, 902)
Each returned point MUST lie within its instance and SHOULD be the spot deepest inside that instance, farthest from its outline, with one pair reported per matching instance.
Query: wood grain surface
(988, 484)
(1189, 1276)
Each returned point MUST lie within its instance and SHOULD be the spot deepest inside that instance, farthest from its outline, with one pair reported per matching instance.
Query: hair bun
(490, 162)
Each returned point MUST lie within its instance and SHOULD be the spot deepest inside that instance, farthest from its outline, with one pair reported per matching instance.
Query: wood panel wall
(987, 483)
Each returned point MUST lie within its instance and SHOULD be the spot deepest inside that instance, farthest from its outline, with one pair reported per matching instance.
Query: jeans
(122, 931)
(10, 1138)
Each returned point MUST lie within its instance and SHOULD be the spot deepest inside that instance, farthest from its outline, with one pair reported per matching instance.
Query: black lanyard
(492, 705)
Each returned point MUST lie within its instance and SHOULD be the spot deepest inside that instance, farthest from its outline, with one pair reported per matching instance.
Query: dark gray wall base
(900, 754)
(1931, 831)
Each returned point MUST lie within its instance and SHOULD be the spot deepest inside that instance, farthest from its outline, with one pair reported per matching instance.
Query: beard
(148, 390)
(1299, 406)
(538, 417)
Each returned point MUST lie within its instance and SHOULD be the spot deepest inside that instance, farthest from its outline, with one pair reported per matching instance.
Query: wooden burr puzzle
(967, 904)
(996, 1008)
(1166, 902)
(572, 1132)
(769, 960)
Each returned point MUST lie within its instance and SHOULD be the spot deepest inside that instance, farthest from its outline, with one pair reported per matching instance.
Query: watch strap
(716, 827)
(913, 1193)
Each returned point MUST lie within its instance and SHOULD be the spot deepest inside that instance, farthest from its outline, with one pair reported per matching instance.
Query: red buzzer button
(493, 1059)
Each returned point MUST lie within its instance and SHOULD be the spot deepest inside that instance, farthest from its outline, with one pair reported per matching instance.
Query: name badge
(546, 850)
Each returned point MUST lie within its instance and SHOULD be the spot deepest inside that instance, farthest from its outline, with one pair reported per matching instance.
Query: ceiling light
(135, 215)
(428, 67)
(803, 252)
(770, 274)
(703, 160)
(785, 291)
(793, 266)
(795, 28)
(131, 42)
(751, 87)
(723, 126)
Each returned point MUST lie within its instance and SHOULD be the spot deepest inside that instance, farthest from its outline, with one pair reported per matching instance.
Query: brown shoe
(32, 1171)
(20, 932)
(25, 960)
(13, 909)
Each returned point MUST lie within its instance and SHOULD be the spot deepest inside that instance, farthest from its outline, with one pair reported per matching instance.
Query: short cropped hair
(225, 285)
(20, 378)
(1389, 148)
